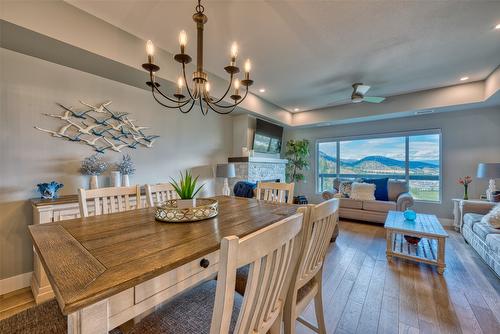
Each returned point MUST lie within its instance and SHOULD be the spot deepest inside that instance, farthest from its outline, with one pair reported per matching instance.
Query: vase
(125, 180)
(466, 195)
(116, 179)
(93, 182)
(186, 203)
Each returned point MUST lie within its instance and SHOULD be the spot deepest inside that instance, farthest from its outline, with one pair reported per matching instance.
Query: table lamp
(489, 171)
(226, 171)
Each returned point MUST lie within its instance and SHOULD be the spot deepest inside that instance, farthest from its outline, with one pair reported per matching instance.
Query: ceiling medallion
(200, 91)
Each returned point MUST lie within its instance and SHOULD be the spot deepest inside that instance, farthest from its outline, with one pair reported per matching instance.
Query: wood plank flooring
(363, 293)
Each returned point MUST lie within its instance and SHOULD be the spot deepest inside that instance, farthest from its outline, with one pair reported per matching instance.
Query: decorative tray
(205, 208)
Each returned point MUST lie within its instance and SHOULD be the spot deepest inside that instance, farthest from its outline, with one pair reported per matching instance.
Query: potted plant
(93, 166)
(126, 168)
(465, 181)
(186, 189)
(297, 153)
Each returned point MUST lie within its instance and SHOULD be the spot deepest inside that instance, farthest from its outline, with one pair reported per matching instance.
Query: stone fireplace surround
(254, 169)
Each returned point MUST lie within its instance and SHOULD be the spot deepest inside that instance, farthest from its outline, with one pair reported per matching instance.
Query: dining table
(106, 270)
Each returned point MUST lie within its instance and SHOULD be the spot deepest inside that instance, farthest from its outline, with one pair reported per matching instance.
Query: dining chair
(306, 285)
(214, 307)
(109, 200)
(157, 193)
(275, 192)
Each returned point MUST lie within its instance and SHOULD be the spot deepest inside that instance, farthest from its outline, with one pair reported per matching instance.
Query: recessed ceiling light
(262, 90)
(296, 109)
(464, 78)
(497, 27)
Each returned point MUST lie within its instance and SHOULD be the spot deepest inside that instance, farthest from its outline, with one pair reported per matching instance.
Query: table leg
(441, 258)
(92, 319)
(388, 249)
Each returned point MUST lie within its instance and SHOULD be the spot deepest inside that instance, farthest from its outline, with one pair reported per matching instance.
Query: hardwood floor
(363, 293)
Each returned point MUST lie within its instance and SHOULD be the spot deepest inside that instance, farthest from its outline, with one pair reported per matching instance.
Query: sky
(424, 147)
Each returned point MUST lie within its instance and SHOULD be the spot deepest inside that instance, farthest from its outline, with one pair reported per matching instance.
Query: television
(267, 137)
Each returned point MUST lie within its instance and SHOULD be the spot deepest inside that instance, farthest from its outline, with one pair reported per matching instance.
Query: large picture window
(414, 157)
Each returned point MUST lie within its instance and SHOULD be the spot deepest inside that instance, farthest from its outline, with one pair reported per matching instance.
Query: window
(414, 157)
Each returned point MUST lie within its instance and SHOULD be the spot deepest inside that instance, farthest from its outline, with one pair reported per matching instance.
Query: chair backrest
(275, 192)
(318, 227)
(271, 254)
(161, 192)
(109, 200)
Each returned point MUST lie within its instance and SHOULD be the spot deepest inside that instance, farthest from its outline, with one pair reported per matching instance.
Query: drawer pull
(204, 263)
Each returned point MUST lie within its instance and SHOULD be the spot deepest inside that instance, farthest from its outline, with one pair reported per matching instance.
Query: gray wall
(30, 87)
(468, 137)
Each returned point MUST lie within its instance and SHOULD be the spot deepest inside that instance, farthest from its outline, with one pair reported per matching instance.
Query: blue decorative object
(410, 215)
(381, 192)
(49, 190)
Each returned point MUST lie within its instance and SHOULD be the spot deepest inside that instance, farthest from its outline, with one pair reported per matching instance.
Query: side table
(457, 211)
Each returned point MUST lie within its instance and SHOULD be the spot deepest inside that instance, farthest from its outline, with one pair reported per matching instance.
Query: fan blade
(373, 99)
(362, 89)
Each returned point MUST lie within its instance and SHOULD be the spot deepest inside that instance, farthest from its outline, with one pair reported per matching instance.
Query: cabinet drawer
(168, 279)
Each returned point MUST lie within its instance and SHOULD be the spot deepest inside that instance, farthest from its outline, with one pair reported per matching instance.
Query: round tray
(169, 212)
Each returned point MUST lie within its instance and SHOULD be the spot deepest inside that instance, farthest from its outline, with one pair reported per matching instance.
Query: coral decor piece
(126, 166)
(465, 181)
(100, 128)
(49, 190)
(93, 165)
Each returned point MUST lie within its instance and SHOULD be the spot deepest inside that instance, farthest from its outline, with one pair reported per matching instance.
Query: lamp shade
(225, 170)
(488, 170)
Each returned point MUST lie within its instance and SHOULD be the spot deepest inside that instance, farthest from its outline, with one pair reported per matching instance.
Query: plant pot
(186, 203)
(116, 179)
(94, 184)
(125, 181)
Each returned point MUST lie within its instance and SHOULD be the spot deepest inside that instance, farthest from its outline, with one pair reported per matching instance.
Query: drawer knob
(204, 263)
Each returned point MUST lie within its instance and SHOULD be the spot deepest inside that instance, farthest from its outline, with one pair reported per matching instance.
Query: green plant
(297, 153)
(186, 186)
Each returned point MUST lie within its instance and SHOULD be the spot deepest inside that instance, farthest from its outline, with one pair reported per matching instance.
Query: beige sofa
(373, 211)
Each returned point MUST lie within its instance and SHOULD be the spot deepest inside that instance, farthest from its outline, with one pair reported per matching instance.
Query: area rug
(45, 318)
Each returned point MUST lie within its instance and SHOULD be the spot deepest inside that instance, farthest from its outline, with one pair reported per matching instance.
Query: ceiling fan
(358, 94)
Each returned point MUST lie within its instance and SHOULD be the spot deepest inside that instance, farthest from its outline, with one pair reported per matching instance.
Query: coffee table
(430, 249)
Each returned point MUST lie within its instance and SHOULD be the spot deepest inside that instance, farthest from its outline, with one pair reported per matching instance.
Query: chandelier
(200, 90)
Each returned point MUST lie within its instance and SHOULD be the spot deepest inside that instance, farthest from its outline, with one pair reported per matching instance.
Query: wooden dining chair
(157, 193)
(214, 307)
(275, 192)
(109, 200)
(306, 285)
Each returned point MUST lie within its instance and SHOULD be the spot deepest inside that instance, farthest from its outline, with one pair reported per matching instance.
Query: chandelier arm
(227, 90)
(203, 111)
(191, 107)
(170, 99)
(214, 107)
(231, 105)
(166, 105)
(186, 82)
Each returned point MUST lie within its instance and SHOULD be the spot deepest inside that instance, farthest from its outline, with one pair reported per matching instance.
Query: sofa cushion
(380, 206)
(482, 230)
(395, 188)
(492, 218)
(381, 193)
(363, 191)
(345, 188)
(351, 203)
(472, 218)
(493, 242)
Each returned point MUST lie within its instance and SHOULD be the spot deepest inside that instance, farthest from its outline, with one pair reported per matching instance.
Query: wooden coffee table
(430, 249)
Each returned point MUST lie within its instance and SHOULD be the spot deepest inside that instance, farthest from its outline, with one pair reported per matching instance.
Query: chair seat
(190, 312)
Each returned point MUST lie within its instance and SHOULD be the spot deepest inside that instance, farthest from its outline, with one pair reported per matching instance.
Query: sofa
(372, 211)
(482, 237)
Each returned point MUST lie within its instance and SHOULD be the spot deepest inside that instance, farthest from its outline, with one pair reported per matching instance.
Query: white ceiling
(308, 53)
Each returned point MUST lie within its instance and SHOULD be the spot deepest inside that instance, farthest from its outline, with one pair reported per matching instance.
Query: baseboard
(15, 283)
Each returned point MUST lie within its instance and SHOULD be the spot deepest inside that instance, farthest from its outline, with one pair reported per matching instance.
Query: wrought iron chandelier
(200, 92)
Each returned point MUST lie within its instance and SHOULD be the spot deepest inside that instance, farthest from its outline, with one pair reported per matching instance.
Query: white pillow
(363, 191)
(492, 218)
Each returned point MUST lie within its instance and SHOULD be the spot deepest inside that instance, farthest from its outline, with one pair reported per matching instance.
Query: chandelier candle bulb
(207, 87)
(183, 40)
(234, 53)
(180, 82)
(236, 87)
(150, 50)
(248, 67)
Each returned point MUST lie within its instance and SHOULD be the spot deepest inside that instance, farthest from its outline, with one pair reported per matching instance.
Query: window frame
(405, 134)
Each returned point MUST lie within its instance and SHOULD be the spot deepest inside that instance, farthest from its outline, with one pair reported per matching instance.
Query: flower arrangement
(465, 181)
(94, 165)
(126, 166)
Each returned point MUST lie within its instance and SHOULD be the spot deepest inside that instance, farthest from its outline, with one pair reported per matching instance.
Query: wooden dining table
(108, 269)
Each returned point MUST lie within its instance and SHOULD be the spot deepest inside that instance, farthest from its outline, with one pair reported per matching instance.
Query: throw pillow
(492, 218)
(381, 192)
(345, 188)
(363, 191)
